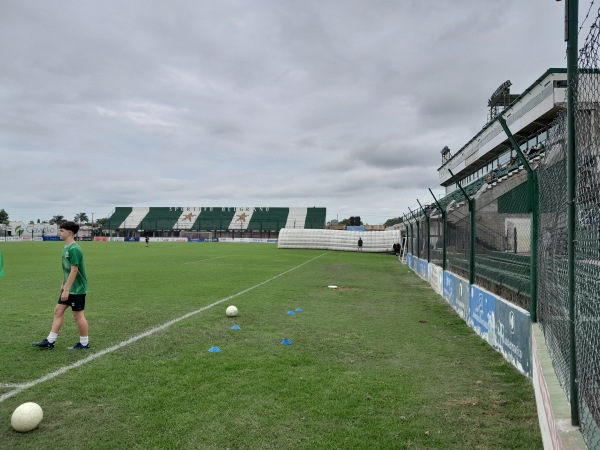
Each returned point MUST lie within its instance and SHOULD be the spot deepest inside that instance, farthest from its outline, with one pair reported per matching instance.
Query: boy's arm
(70, 280)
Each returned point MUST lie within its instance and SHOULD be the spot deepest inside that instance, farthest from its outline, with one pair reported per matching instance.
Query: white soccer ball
(27, 417)
(231, 311)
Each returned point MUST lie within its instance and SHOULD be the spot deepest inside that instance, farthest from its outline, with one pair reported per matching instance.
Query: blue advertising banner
(132, 239)
(436, 278)
(355, 228)
(463, 298)
(423, 269)
(449, 295)
(409, 260)
(51, 238)
(513, 335)
(481, 314)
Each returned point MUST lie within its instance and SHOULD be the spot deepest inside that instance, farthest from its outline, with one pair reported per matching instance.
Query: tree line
(81, 218)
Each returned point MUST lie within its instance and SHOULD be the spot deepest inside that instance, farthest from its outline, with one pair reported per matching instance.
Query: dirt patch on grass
(464, 402)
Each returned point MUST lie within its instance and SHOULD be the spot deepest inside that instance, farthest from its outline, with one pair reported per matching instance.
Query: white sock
(52, 337)
(84, 340)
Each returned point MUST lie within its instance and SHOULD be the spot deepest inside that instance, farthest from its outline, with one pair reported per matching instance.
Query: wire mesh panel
(424, 238)
(587, 236)
(503, 238)
(458, 238)
(553, 308)
(414, 243)
(553, 301)
(436, 238)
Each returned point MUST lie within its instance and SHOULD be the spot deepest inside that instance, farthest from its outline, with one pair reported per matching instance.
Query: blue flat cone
(286, 342)
(214, 349)
(298, 309)
(291, 313)
(235, 327)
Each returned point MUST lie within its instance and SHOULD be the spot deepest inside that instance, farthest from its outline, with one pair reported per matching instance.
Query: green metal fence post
(411, 238)
(405, 248)
(535, 224)
(428, 231)
(471, 203)
(533, 202)
(443, 230)
(571, 30)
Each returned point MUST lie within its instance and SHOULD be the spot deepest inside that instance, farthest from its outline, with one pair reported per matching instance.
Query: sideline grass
(381, 362)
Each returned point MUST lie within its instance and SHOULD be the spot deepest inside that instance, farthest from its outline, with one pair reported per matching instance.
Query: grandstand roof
(522, 114)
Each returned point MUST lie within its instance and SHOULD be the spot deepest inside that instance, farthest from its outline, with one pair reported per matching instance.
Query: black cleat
(43, 344)
(79, 346)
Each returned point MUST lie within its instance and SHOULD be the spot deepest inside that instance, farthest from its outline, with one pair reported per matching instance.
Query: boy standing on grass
(73, 289)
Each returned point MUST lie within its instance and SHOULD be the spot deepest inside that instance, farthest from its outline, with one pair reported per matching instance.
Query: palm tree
(57, 220)
(81, 217)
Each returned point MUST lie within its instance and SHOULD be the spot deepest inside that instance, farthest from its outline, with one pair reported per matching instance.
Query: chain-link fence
(436, 234)
(516, 216)
(553, 306)
(503, 237)
(458, 237)
(587, 236)
(581, 357)
(423, 237)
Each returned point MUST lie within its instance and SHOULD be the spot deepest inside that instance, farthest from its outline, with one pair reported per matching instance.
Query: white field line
(24, 386)
(207, 259)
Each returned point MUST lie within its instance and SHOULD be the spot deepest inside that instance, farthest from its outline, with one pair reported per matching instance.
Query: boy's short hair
(71, 226)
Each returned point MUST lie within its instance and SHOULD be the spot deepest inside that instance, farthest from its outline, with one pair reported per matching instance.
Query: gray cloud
(342, 104)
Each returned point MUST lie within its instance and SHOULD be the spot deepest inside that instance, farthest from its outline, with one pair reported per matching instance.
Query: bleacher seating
(135, 218)
(503, 269)
(118, 217)
(296, 218)
(160, 219)
(215, 218)
(273, 219)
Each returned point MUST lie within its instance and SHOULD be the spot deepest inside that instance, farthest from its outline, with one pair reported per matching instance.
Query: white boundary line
(24, 386)
(207, 259)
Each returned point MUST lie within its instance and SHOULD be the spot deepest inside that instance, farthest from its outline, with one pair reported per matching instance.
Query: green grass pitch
(381, 362)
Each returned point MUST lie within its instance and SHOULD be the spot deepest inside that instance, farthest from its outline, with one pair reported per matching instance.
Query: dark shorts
(75, 301)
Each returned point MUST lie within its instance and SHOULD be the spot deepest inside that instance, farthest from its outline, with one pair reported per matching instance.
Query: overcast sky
(343, 104)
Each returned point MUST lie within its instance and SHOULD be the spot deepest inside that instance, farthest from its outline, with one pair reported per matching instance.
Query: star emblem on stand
(241, 217)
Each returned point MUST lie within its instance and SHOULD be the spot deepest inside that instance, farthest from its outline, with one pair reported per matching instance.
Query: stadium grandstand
(215, 221)
(529, 116)
(489, 169)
